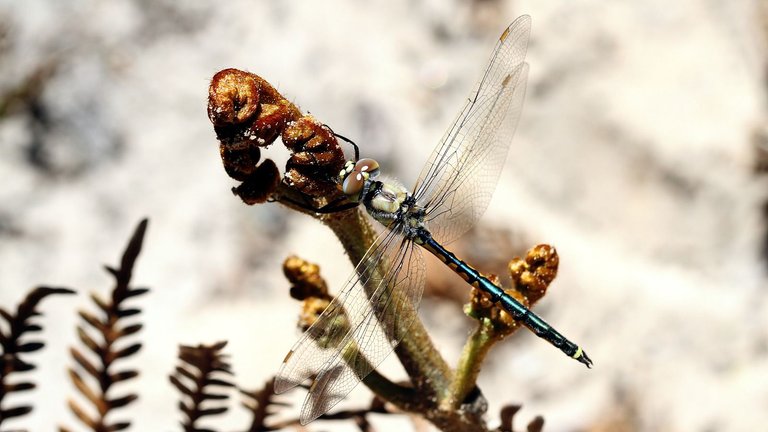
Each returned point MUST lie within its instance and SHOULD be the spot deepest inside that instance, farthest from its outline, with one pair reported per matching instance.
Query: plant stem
(429, 372)
(475, 349)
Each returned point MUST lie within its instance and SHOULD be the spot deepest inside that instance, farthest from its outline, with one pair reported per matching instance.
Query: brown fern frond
(258, 403)
(103, 333)
(358, 416)
(262, 403)
(202, 367)
(507, 415)
(14, 344)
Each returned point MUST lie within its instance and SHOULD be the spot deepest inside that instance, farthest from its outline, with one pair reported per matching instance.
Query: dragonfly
(372, 312)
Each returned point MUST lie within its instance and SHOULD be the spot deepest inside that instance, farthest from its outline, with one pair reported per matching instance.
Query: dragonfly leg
(357, 149)
(338, 205)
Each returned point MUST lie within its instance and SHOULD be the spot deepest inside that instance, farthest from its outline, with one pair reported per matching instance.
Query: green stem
(475, 350)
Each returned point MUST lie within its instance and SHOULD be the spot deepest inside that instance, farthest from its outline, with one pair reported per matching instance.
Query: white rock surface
(634, 157)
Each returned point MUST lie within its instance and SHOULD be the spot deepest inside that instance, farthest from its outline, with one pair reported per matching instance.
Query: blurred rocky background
(641, 155)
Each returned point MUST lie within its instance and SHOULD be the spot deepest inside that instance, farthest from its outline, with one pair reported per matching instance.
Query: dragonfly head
(354, 176)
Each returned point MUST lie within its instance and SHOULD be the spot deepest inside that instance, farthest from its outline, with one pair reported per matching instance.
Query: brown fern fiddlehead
(248, 114)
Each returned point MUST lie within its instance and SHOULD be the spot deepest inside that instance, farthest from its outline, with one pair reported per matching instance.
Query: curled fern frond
(103, 334)
(202, 369)
(248, 114)
(14, 344)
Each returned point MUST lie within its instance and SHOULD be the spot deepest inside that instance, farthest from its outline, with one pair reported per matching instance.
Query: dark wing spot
(506, 80)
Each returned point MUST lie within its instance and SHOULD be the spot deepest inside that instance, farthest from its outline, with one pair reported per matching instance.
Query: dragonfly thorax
(387, 200)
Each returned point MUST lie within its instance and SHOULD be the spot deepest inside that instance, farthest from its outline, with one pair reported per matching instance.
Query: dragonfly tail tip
(584, 358)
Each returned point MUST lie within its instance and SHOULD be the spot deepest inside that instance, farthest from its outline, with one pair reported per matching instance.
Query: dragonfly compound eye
(353, 184)
(367, 165)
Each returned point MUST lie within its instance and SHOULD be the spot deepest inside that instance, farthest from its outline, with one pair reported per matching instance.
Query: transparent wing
(360, 327)
(457, 182)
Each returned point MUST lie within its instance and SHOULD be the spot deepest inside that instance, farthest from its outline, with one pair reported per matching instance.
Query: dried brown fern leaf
(507, 415)
(261, 403)
(202, 369)
(358, 416)
(14, 344)
(103, 333)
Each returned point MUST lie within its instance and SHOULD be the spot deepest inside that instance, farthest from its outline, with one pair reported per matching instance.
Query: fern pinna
(94, 375)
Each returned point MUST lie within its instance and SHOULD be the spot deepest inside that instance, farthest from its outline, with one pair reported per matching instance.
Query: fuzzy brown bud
(305, 279)
(481, 307)
(533, 274)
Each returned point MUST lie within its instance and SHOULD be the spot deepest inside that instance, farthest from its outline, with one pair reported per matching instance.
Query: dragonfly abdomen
(522, 314)
(467, 272)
